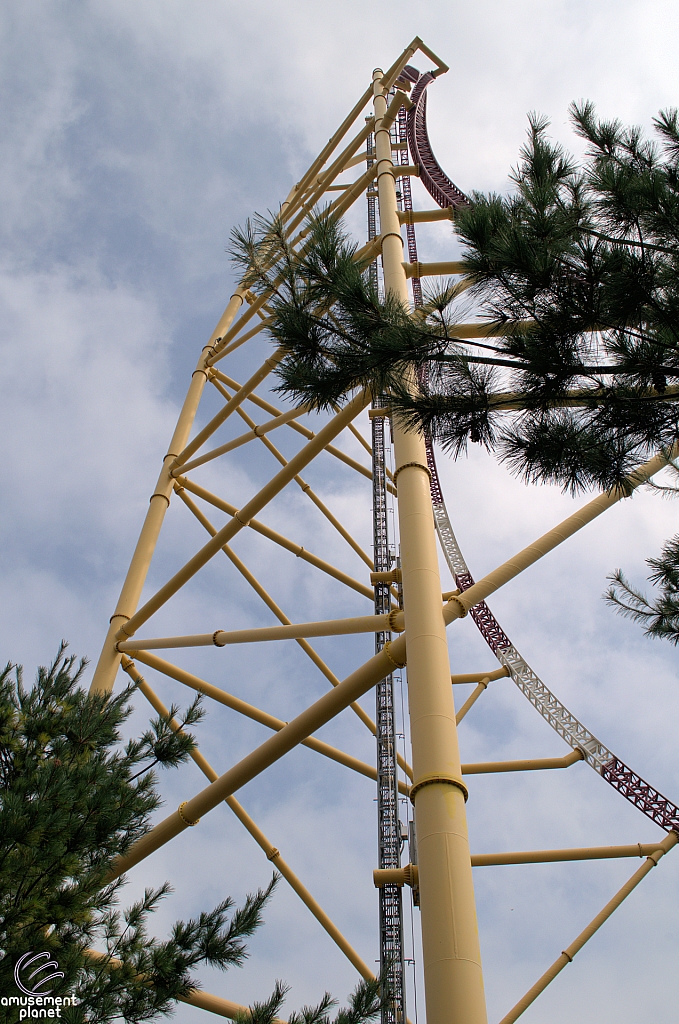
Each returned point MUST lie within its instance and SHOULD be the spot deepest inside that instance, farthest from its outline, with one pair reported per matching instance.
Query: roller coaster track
(619, 775)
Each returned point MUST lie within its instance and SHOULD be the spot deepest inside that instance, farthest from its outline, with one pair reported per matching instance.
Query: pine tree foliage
(365, 1003)
(659, 617)
(71, 800)
(575, 274)
(336, 330)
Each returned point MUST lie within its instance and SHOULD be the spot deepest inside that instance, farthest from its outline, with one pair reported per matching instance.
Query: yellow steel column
(109, 659)
(452, 961)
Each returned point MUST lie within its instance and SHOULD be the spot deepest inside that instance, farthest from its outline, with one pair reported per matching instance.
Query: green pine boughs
(579, 266)
(337, 333)
(72, 799)
(659, 617)
(576, 271)
(365, 1003)
(575, 277)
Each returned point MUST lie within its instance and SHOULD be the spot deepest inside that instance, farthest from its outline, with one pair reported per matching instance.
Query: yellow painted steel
(586, 934)
(529, 765)
(240, 340)
(472, 699)
(257, 431)
(272, 852)
(109, 660)
(299, 427)
(409, 873)
(460, 604)
(270, 603)
(359, 437)
(406, 875)
(260, 500)
(257, 715)
(221, 637)
(433, 270)
(452, 964)
(217, 1004)
(480, 860)
(474, 677)
(208, 430)
(425, 216)
(306, 489)
(324, 180)
(452, 959)
(221, 345)
(277, 538)
(262, 757)
(195, 997)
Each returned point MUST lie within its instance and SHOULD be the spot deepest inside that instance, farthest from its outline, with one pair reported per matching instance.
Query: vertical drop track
(392, 958)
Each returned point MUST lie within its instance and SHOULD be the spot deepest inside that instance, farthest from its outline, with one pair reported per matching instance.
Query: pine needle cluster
(365, 1002)
(575, 276)
(659, 616)
(337, 332)
(72, 799)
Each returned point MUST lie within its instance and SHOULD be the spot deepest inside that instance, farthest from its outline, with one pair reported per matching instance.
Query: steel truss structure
(410, 612)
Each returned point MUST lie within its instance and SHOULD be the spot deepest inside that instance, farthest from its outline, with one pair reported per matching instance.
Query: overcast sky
(135, 136)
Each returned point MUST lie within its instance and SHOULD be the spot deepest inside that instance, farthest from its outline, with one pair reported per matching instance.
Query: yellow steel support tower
(452, 958)
(434, 783)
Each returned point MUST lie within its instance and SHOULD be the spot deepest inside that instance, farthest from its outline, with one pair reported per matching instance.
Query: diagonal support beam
(218, 377)
(255, 505)
(208, 430)
(226, 350)
(257, 431)
(271, 852)
(195, 997)
(271, 604)
(459, 605)
(272, 750)
(257, 715)
(306, 489)
(277, 538)
(472, 699)
(575, 946)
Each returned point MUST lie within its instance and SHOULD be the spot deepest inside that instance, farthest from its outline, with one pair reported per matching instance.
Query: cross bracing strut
(272, 853)
(300, 428)
(271, 604)
(297, 549)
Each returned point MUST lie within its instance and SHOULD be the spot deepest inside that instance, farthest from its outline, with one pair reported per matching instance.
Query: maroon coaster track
(627, 782)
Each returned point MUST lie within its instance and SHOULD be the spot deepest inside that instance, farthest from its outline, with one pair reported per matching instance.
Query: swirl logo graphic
(35, 960)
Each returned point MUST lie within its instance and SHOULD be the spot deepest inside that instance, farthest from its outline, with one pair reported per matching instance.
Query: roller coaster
(404, 587)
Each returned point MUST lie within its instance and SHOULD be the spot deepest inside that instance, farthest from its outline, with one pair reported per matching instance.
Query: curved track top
(619, 775)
